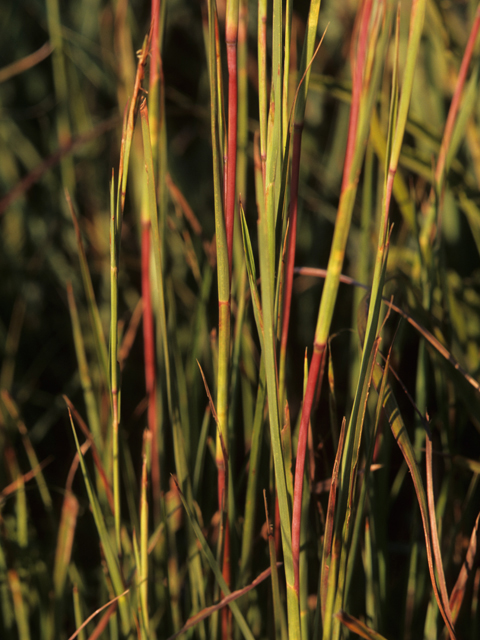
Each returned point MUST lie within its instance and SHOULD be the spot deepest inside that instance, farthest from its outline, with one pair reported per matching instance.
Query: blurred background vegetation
(60, 128)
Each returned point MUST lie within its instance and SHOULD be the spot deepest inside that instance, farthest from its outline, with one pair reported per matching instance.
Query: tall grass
(285, 198)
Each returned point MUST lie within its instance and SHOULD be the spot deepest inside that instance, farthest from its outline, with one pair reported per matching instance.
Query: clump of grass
(236, 490)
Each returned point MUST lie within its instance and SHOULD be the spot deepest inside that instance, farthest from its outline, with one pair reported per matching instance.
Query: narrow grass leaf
(83, 368)
(279, 627)
(466, 573)
(111, 606)
(401, 436)
(208, 611)
(252, 275)
(110, 556)
(246, 555)
(329, 524)
(19, 605)
(94, 314)
(215, 567)
(96, 456)
(9, 405)
(435, 540)
(66, 533)
(77, 612)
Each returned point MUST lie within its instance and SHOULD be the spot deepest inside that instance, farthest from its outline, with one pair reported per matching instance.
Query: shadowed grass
(206, 480)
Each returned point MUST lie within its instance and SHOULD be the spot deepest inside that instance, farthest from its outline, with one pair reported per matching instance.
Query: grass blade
(108, 549)
(215, 568)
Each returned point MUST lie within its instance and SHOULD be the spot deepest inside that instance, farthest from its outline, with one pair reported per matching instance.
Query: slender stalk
(223, 265)
(290, 258)
(337, 253)
(300, 104)
(114, 244)
(315, 366)
(149, 358)
(116, 217)
(61, 90)
(143, 569)
(155, 87)
(154, 78)
(262, 82)
(231, 37)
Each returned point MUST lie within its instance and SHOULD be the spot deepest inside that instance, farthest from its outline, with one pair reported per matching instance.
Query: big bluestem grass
(239, 319)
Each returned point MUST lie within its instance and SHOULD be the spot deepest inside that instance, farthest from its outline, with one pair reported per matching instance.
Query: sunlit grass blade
(194, 565)
(224, 240)
(272, 392)
(299, 114)
(365, 80)
(143, 576)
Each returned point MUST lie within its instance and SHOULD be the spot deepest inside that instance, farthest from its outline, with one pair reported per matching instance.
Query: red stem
(292, 233)
(155, 53)
(358, 63)
(455, 104)
(315, 365)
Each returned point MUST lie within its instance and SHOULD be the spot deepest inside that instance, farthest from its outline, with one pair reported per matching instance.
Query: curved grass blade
(357, 626)
(403, 440)
(208, 611)
(8, 404)
(111, 606)
(466, 573)
(215, 567)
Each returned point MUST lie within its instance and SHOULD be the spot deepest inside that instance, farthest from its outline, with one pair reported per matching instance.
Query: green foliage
(186, 233)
